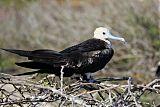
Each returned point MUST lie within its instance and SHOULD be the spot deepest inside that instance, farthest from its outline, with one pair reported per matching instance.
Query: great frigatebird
(84, 58)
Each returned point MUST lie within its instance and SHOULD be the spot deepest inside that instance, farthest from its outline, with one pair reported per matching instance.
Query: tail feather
(19, 52)
(35, 65)
(28, 73)
(38, 54)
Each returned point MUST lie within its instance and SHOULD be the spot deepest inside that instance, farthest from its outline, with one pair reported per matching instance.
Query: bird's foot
(88, 78)
(93, 81)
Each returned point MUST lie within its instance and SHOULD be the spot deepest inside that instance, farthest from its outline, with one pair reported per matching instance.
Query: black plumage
(87, 57)
(84, 58)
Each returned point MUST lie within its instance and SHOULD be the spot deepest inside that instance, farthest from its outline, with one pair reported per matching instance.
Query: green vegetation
(15, 3)
(34, 24)
(4, 62)
(53, 25)
(150, 98)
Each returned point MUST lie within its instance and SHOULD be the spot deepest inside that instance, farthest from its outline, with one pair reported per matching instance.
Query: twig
(78, 93)
(62, 67)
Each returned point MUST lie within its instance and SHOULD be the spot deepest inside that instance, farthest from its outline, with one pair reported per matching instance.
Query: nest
(15, 91)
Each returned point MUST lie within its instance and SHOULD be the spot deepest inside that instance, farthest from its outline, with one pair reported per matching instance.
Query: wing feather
(44, 56)
(86, 46)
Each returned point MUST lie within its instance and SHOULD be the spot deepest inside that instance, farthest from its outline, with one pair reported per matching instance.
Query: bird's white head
(105, 35)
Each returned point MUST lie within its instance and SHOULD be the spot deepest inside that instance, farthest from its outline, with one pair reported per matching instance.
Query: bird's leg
(113, 79)
(76, 76)
(88, 75)
(88, 78)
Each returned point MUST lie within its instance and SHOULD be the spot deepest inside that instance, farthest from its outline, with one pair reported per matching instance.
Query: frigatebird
(84, 58)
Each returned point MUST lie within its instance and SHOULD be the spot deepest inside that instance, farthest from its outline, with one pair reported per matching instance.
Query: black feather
(28, 73)
(87, 57)
(158, 71)
(34, 65)
(18, 52)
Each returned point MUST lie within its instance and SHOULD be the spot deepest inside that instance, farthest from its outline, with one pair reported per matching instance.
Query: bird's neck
(109, 44)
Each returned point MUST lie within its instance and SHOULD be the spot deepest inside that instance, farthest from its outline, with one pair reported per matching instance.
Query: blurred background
(57, 24)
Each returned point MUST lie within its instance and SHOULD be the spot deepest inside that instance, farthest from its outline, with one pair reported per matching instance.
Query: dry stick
(70, 98)
(110, 96)
(52, 79)
(62, 67)
(128, 89)
(79, 100)
(72, 101)
(62, 103)
(133, 86)
(89, 92)
(129, 85)
(147, 87)
(156, 86)
(131, 93)
(151, 84)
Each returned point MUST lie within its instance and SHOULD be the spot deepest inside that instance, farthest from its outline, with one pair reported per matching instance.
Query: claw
(88, 78)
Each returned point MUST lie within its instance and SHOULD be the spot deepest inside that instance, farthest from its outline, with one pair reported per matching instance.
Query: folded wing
(40, 59)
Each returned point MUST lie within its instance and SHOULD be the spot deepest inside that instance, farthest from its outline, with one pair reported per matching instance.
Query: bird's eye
(104, 33)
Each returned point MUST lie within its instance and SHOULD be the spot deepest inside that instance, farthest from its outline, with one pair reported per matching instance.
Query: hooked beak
(110, 36)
